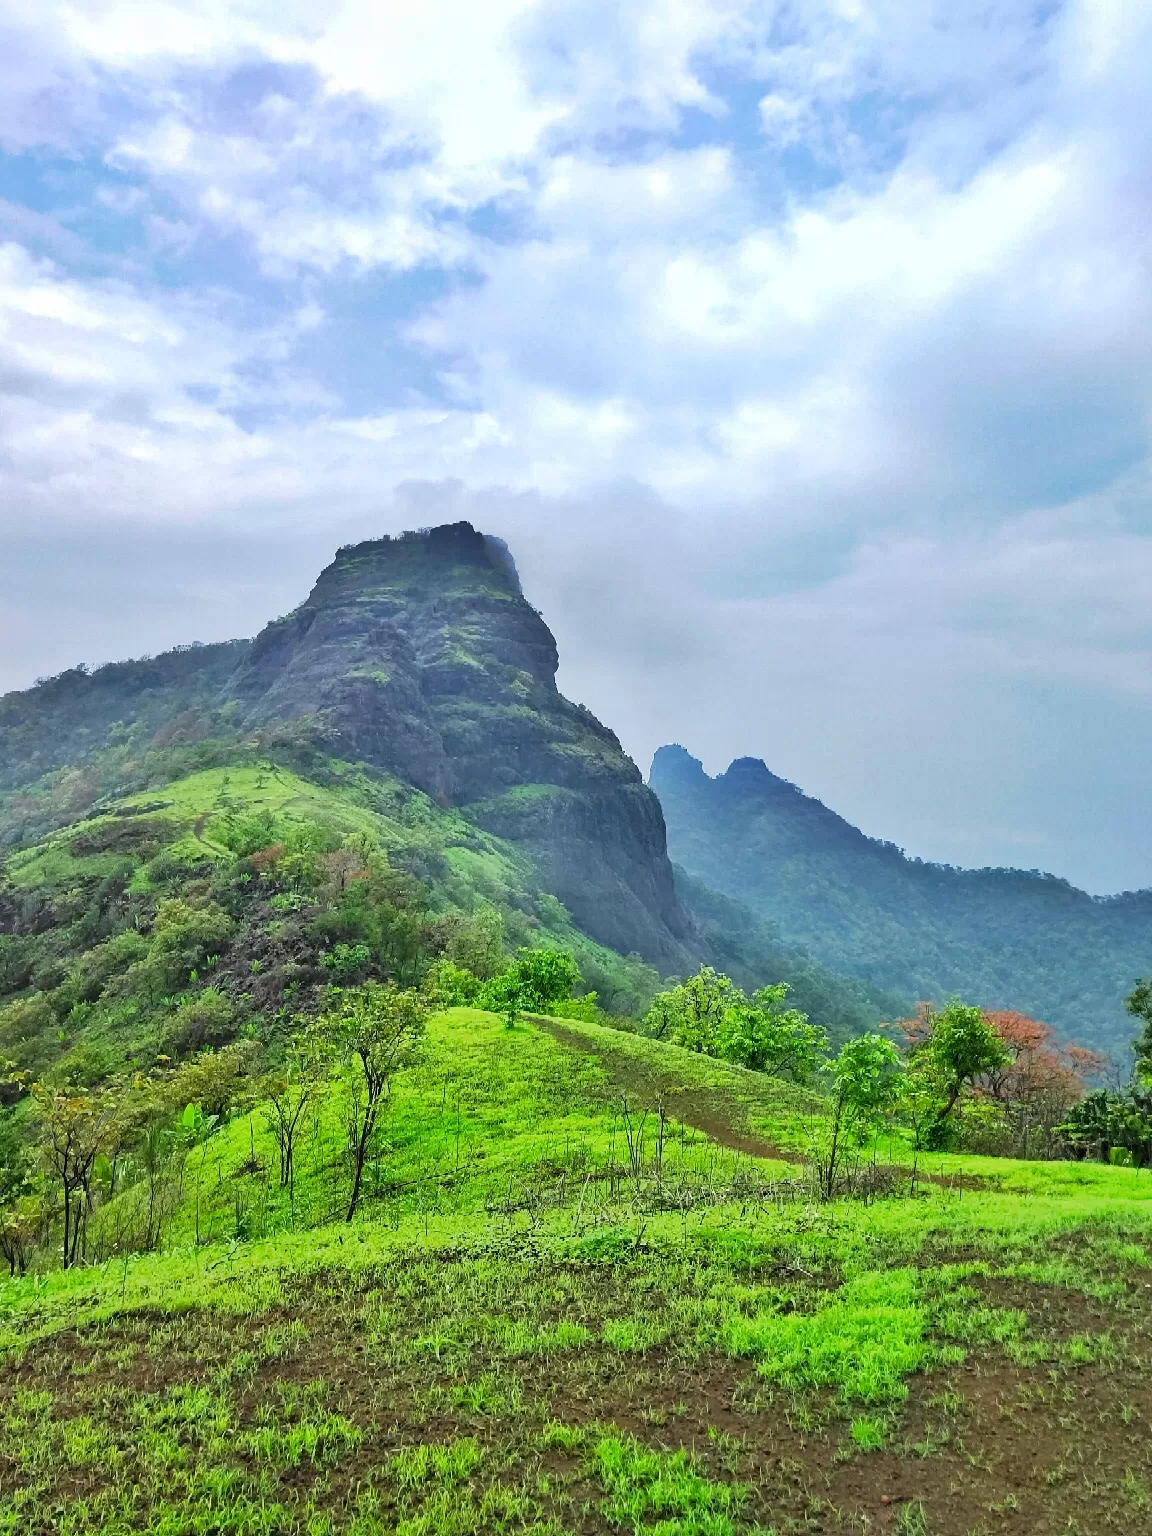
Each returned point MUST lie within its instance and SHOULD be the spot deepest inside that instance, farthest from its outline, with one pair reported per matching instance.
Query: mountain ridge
(1005, 938)
(419, 656)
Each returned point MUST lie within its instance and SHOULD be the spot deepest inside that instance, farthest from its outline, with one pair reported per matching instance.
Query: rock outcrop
(421, 656)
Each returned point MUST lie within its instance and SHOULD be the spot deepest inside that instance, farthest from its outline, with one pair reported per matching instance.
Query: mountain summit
(417, 656)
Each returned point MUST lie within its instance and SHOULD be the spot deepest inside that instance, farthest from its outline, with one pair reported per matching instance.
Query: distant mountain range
(1002, 938)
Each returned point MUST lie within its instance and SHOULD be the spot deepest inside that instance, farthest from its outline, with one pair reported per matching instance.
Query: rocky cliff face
(418, 655)
(421, 656)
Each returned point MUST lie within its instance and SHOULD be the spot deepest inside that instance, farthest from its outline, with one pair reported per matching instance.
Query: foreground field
(559, 1315)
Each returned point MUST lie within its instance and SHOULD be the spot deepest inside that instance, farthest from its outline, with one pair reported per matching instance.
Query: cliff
(420, 655)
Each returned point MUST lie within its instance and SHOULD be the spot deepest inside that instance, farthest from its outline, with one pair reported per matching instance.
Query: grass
(531, 1329)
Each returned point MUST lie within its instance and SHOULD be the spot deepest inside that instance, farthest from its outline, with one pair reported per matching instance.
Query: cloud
(801, 351)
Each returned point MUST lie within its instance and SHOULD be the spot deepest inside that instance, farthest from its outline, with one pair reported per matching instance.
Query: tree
(766, 1036)
(19, 1210)
(535, 981)
(1039, 1081)
(1139, 1005)
(379, 1028)
(74, 1126)
(548, 975)
(1090, 1125)
(290, 1092)
(506, 995)
(449, 985)
(662, 1015)
(219, 1081)
(868, 1083)
(346, 962)
(710, 1014)
(693, 1013)
(20, 1225)
(476, 943)
(951, 1048)
(1102, 1121)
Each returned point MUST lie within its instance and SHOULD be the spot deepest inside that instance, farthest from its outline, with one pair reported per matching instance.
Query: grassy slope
(517, 1335)
(390, 811)
(460, 864)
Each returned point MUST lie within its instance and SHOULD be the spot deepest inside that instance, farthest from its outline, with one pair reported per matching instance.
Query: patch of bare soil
(992, 1446)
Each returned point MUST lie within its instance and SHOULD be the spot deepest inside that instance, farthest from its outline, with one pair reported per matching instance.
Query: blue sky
(801, 352)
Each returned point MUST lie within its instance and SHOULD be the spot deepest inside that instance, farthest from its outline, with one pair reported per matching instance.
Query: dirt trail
(704, 1109)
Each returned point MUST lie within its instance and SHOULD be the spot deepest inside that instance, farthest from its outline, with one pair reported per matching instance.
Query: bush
(219, 1081)
(451, 985)
(15, 963)
(28, 1018)
(92, 971)
(207, 1020)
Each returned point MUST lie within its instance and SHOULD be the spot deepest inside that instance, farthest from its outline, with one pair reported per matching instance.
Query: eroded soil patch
(315, 1410)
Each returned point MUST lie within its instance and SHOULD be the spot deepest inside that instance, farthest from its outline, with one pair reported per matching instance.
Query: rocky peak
(420, 655)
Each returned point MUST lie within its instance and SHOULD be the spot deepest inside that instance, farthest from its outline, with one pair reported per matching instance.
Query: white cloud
(848, 305)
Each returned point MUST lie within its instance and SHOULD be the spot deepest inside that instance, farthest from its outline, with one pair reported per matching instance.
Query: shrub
(205, 1021)
(92, 971)
(218, 1081)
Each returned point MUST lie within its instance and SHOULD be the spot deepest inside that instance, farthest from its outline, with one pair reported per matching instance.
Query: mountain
(421, 656)
(1003, 938)
(411, 698)
(418, 656)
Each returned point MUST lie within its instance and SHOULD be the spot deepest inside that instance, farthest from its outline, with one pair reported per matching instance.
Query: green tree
(710, 1014)
(73, 1129)
(868, 1081)
(1139, 1005)
(549, 975)
(449, 985)
(19, 1210)
(506, 994)
(476, 943)
(693, 1014)
(763, 1034)
(1103, 1121)
(952, 1046)
(379, 1028)
(536, 980)
(346, 962)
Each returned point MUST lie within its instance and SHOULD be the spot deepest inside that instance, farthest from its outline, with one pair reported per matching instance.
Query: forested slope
(1002, 938)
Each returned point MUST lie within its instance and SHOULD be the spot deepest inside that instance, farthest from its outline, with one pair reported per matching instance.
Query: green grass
(528, 1330)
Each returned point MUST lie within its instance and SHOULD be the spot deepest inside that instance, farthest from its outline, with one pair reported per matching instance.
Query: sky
(801, 352)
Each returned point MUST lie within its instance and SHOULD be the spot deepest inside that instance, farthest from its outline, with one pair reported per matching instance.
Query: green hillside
(89, 980)
(559, 1312)
(1003, 938)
